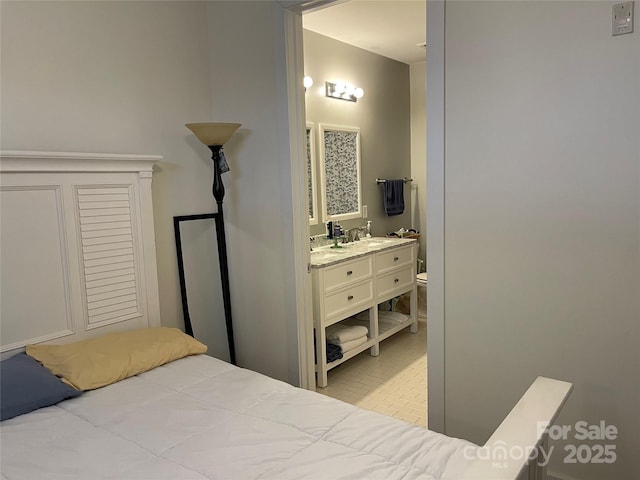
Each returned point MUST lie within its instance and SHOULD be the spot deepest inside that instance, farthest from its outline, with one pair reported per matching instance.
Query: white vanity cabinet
(357, 280)
(395, 275)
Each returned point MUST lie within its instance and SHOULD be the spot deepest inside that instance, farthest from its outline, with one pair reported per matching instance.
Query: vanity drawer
(394, 258)
(343, 274)
(348, 301)
(395, 282)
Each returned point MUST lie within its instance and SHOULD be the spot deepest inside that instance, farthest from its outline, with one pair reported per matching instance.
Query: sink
(373, 241)
(323, 255)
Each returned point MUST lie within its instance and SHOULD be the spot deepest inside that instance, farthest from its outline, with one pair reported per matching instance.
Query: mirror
(202, 297)
(311, 175)
(340, 172)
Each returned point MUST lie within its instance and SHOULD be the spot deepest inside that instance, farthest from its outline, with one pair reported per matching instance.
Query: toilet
(421, 279)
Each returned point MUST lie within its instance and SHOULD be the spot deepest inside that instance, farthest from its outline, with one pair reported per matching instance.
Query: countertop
(325, 255)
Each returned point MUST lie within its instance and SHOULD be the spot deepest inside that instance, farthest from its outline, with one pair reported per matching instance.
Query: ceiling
(391, 28)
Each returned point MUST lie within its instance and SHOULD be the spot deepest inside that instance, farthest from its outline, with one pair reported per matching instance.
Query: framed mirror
(311, 175)
(201, 284)
(340, 171)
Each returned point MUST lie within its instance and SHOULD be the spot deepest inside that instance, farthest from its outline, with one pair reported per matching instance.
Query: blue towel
(394, 197)
(334, 352)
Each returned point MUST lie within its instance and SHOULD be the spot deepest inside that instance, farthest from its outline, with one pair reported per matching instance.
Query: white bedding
(200, 418)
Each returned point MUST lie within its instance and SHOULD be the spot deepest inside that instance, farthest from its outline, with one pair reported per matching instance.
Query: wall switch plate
(622, 18)
(365, 211)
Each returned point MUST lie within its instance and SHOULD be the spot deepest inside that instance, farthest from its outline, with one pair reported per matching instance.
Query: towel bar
(382, 180)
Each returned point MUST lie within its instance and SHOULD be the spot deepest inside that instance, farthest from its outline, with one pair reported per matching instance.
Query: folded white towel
(351, 344)
(392, 317)
(343, 333)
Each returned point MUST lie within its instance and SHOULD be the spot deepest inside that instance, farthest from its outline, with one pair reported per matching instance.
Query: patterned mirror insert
(341, 169)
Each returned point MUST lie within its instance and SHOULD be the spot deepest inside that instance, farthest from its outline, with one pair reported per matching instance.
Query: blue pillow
(25, 385)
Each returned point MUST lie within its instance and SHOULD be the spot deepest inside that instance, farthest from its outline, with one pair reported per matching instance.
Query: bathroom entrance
(389, 115)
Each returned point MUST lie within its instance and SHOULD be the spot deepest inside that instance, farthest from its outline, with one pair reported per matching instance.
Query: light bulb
(358, 93)
(307, 81)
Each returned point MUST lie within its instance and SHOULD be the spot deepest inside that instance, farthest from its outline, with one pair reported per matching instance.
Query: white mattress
(201, 418)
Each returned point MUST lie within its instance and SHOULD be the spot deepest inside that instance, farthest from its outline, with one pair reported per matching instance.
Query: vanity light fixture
(343, 91)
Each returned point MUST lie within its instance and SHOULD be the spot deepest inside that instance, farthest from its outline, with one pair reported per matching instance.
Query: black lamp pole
(218, 193)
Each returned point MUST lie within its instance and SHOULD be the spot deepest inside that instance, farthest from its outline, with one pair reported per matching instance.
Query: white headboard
(77, 246)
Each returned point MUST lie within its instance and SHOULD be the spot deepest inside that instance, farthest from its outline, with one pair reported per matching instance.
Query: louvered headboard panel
(109, 267)
(77, 246)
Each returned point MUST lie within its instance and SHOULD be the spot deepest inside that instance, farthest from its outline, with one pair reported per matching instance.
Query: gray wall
(383, 116)
(248, 82)
(542, 218)
(124, 77)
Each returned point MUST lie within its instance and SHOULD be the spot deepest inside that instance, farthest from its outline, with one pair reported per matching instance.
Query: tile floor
(394, 383)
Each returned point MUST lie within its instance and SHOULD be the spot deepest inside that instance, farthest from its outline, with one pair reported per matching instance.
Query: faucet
(358, 233)
(318, 240)
(353, 234)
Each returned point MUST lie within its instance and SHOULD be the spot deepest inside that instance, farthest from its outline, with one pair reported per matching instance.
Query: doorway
(418, 203)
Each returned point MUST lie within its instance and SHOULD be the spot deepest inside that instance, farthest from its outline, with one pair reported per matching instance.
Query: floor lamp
(214, 136)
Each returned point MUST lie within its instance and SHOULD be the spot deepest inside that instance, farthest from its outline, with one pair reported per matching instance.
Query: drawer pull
(350, 297)
(350, 272)
(396, 280)
(395, 259)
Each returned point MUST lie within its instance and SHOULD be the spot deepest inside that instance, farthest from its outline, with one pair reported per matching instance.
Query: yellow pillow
(100, 361)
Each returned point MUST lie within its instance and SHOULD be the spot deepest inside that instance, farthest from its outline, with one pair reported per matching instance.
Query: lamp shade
(213, 133)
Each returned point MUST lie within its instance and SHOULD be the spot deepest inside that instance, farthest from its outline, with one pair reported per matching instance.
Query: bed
(201, 418)
(177, 413)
